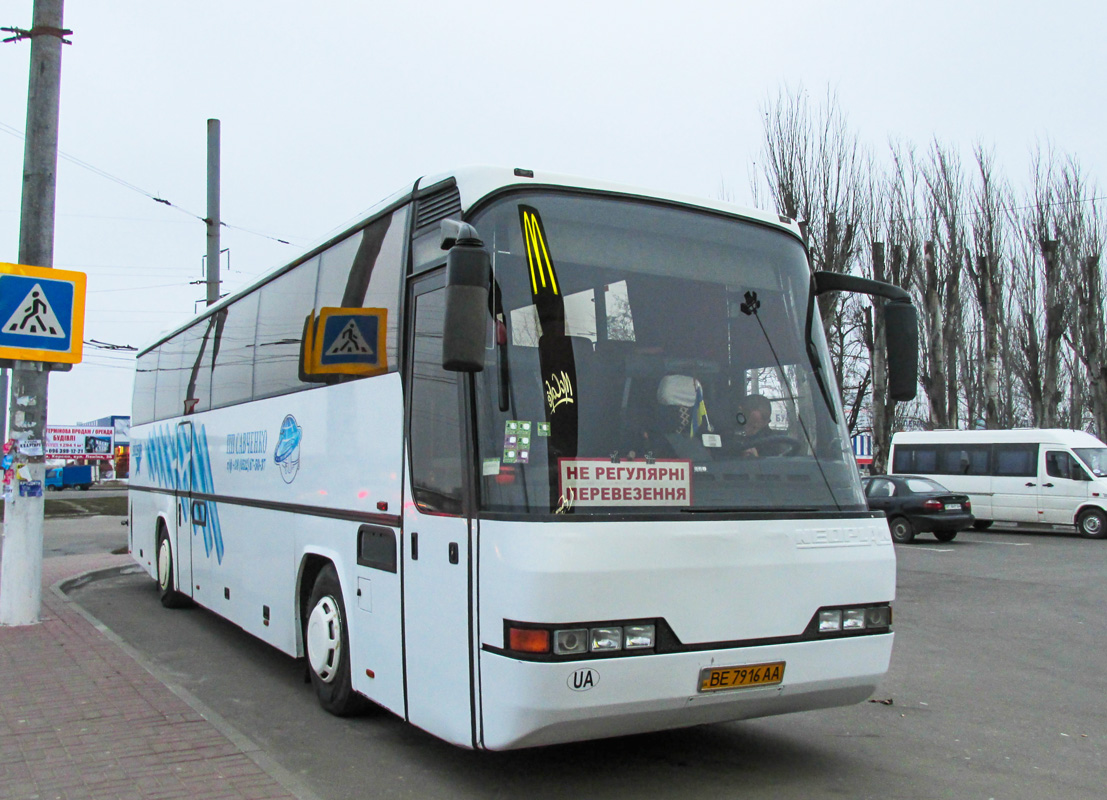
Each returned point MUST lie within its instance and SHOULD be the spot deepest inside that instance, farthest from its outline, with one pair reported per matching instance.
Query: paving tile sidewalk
(80, 719)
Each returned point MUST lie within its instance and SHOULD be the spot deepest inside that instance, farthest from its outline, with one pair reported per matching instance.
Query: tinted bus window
(232, 377)
(142, 406)
(167, 397)
(197, 388)
(284, 304)
(436, 458)
(364, 271)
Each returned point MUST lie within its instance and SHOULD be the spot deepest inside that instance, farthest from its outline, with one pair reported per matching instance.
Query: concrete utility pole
(213, 211)
(21, 560)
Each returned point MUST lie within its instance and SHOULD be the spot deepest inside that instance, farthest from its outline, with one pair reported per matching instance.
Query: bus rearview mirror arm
(901, 327)
(468, 272)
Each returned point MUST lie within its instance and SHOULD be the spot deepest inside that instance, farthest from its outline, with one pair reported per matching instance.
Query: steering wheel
(778, 444)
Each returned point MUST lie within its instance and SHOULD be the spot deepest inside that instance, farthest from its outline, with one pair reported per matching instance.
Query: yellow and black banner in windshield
(544, 286)
(557, 361)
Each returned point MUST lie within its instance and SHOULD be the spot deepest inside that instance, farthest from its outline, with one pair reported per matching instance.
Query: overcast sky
(328, 107)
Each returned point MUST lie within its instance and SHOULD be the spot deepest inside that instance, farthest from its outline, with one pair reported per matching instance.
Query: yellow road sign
(42, 314)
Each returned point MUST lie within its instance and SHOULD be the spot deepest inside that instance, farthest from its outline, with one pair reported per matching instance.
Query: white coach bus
(480, 459)
(1027, 477)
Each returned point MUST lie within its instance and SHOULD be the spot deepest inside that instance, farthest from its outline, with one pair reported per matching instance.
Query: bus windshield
(653, 360)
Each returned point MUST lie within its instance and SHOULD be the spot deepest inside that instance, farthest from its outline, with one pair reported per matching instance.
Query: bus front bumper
(525, 703)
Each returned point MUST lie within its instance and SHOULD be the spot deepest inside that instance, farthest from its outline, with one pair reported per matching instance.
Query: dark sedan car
(914, 504)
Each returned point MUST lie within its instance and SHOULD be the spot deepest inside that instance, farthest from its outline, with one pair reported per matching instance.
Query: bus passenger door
(437, 534)
(182, 550)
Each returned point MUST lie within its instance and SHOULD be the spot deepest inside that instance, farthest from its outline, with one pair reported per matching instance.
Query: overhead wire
(13, 131)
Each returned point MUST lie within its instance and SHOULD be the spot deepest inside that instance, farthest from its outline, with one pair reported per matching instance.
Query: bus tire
(982, 524)
(945, 536)
(327, 646)
(1092, 524)
(902, 530)
(170, 597)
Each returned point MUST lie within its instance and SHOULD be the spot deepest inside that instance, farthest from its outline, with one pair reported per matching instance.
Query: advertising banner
(79, 441)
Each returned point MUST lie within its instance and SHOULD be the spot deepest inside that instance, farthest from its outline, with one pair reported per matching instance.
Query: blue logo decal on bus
(167, 458)
(287, 454)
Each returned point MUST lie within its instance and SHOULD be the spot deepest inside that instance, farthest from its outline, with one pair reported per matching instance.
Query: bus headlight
(638, 637)
(604, 639)
(582, 638)
(855, 619)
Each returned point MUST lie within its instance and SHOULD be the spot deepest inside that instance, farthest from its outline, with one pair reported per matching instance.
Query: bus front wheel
(327, 643)
(170, 597)
(1092, 524)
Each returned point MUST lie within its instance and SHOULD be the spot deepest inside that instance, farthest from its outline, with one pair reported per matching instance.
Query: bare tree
(815, 169)
(985, 269)
(1043, 299)
(1081, 233)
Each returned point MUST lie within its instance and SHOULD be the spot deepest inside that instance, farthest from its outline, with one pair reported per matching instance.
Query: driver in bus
(753, 418)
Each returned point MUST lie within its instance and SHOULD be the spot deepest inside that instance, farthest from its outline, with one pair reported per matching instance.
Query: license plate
(715, 679)
(953, 506)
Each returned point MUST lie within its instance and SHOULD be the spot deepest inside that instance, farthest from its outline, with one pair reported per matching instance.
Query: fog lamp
(571, 641)
(878, 617)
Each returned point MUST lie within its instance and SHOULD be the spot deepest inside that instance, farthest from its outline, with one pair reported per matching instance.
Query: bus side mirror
(468, 267)
(901, 335)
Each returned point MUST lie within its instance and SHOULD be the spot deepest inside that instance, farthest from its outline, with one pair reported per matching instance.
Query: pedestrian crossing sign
(348, 341)
(42, 314)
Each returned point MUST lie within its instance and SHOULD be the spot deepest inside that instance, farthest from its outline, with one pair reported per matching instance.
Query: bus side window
(436, 457)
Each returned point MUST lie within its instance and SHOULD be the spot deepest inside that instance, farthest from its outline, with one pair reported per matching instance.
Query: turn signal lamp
(529, 640)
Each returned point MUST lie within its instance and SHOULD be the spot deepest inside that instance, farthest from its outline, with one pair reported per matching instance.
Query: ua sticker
(583, 679)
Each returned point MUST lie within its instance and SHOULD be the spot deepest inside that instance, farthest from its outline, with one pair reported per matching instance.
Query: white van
(1028, 477)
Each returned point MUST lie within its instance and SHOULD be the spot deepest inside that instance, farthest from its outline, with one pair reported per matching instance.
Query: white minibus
(482, 460)
(1027, 477)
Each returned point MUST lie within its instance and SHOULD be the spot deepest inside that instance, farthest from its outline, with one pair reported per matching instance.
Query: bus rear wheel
(170, 597)
(327, 644)
(1092, 524)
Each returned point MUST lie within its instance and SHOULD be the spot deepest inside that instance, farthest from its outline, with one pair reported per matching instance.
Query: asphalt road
(997, 690)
